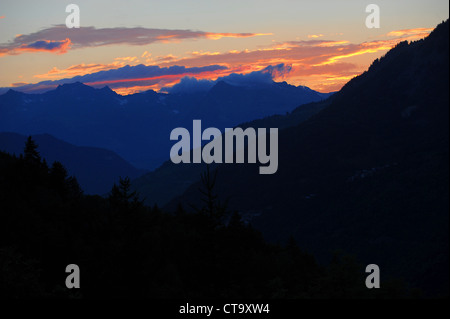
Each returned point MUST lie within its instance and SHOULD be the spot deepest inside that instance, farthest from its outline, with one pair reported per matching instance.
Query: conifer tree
(121, 195)
(212, 208)
(30, 152)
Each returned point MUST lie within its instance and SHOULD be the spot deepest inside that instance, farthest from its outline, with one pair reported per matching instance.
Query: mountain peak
(12, 92)
(222, 88)
(106, 88)
(226, 85)
(222, 84)
(107, 91)
(75, 86)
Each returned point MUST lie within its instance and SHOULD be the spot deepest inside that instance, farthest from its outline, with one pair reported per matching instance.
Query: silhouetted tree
(235, 220)
(121, 195)
(30, 152)
(67, 187)
(212, 208)
(58, 174)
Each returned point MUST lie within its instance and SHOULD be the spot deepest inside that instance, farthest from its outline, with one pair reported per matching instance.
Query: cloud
(142, 72)
(145, 76)
(313, 36)
(217, 36)
(324, 65)
(84, 69)
(58, 47)
(126, 77)
(410, 32)
(18, 84)
(278, 71)
(146, 54)
(190, 84)
(166, 58)
(2, 17)
(175, 79)
(74, 70)
(92, 37)
(311, 52)
(321, 64)
(328, 70)
(265, 76)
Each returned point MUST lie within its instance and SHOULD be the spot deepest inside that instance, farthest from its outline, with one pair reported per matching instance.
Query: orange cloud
(166, 58)
(213, 36)
(314, 36)
(83, 69)
(92, 37)
(360, 51)
(200, 53)
(135, 89)
(58, 47)
(332, 43)
(75, 70)
(163, 80)
(130, 59)
(316, 63)
(18, 84)
(287, 53)
(146, 54)
(421, 32)
(217, 36)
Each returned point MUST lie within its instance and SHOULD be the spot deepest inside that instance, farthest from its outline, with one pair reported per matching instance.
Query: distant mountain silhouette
(170, 180)
(96, 169)
(368, 174)
(138, 126)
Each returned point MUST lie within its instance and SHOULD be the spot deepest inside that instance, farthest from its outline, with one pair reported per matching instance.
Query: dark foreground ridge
(127, 250)
(368, 174)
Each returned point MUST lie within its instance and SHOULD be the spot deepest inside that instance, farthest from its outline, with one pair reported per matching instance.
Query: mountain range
(96, 169)
(137, 127)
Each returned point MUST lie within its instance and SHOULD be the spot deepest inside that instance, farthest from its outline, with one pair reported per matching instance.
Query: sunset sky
(135, 45)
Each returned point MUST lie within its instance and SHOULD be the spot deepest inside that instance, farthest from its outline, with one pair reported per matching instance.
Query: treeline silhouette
(127, 250)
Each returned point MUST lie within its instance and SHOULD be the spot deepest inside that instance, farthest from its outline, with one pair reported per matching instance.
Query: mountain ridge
(96, 169)
(138, 126)
(367, 174)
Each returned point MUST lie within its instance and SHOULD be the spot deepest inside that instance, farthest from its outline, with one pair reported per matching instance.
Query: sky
(133, 46)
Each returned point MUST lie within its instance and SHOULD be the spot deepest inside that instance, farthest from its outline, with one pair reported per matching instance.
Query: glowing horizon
(322, 54)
